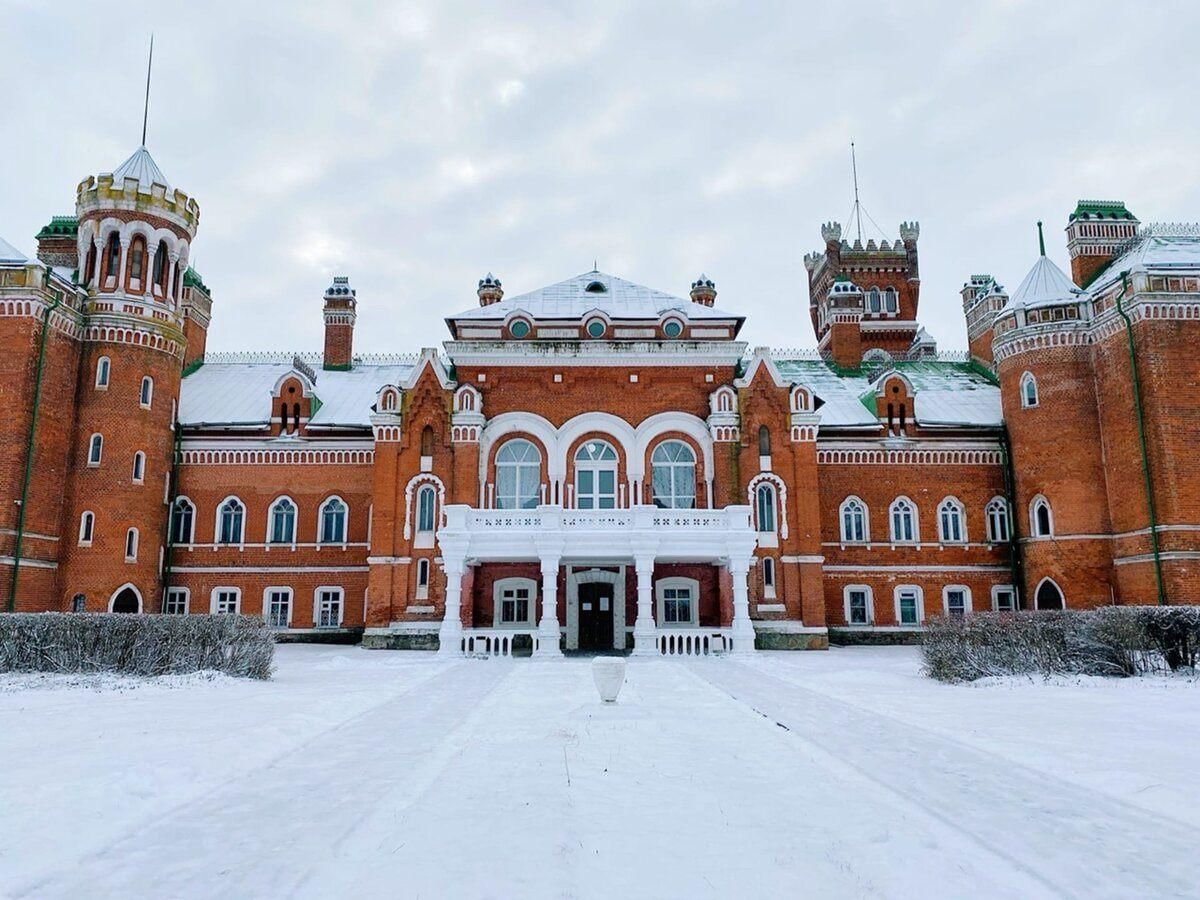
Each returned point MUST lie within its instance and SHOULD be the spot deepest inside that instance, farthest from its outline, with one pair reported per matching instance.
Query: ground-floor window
(176, 602)
(279, 607)
(329, 607)
(957, 601)
(678, 601)
(226, 601)
(514, 602)
(908, 605)
(1004, 599)
(768, 577)
(422, 579)
(858, 605)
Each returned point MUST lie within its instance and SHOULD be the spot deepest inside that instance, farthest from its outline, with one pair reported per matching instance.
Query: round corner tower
(134, 240)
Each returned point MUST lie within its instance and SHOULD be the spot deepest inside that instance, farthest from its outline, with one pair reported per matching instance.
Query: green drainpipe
(37, 399)
(1141, 424)
(176, 455)
(1010, 495)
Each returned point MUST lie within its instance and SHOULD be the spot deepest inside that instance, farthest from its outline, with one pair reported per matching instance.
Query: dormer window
(519, 329)
(596, 287)
(596, 327)
(673, 328)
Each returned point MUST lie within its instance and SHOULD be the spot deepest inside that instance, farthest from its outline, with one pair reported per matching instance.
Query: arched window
(764, 508)
(859, 604)
(103, 371)
(87, 528)
(295, 417)
(673, 475)
(283, 522)
(388, 402)
(112, 255)
(764, 441)
(139, 467)
(146, 397)
(161, 267)
(518, 475)
(89, 265)
(724, 400)
(952, 527)
(1041, 520)
(131, 545)
(904, 521)
(422, 578)
(873, 301)
(854, 521)
(333, 521)
(427, 440)
(95, 450)
(1029, 390)
(595, 476)
(426, 500)
(230, 521)
(996, 513)
(890, 301)
(1049, 596)
(183, 515)
(137, 262)
(768, 577)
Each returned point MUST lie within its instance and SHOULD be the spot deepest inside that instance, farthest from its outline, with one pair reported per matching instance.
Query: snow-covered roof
(10, 254)
(573, 298)
(239, 393)
(1154, 253)
(140, 165)
(948, 392)
(1045, 284)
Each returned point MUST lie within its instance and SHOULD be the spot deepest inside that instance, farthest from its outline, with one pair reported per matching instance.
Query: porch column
(645, 632)
(450, 634)
(740, 555)
(550, 548)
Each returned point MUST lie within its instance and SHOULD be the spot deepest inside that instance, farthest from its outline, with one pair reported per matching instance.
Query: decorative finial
(595, 264)
(146, 107)
(1041, 240)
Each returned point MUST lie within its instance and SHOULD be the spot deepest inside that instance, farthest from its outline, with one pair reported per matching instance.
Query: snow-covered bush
(135, 644)
(1113, 640)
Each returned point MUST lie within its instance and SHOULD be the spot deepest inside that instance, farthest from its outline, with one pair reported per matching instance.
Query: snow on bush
(1112, 640)
(135, 644)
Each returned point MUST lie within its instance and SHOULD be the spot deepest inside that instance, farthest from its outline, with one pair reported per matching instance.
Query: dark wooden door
(595, 617)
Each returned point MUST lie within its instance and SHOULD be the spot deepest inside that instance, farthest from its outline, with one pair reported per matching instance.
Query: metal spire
(857, 207)
(1041, 240)
(146, 108)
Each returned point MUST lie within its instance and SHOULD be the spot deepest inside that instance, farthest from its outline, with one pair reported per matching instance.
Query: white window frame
(954, 505)
(95, 450)
(423, 563)
(146, 392)
(341, 594)
(1005, 513)
(866, 521)
(920, 610)
(846, 612)
(597, 467)
(87, 524)
(321, 542)
(270, 533)
(131, 555)
(503, 584)
(916, 522)
(675, 583)
(1034, 530)
(516, 500)
(424, 538)
(891, 301)
(266, 604)
(225, 589)
(103, 366)
(779, 489)
(1028, 378)
(672, 466)
(241, 541)
(967, 603)
(997, 590)
(138, 476)
(770, 577)
(175, 592)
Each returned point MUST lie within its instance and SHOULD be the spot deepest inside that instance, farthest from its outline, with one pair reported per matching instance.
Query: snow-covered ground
(382, 774)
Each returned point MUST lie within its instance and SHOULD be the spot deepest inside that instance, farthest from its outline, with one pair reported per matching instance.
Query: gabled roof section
(1045, 285)
(618, 298)
(10, 254)
(140, 165)
(1174, 249)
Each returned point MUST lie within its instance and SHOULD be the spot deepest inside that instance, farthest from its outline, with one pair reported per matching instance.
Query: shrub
(1112, 640)
(135, 644)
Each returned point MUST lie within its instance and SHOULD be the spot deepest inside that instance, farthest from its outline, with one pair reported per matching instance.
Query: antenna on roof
(146, 108)
(1041, 240)
(857, 207)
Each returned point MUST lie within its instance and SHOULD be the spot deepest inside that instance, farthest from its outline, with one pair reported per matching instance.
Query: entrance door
(595, 617)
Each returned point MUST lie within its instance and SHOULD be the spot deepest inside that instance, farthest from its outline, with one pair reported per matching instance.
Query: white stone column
(95, 280)
(450, 634)
(120, 284)
(550, 548)
(743, 628)
(172, 261)
(645, 632)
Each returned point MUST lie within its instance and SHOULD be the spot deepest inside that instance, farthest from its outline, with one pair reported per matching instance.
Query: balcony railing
(555, 518)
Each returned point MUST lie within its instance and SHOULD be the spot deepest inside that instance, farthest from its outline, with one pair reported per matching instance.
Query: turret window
(891, 304)
(874, 301)
(103, 371)
(951, 524)
(1029, 390)
(997, 520)
(139, 467)
(112, 256)
(137, 262)
(95, 450)
(146, 394)
(333, 521)
(161, 268)
(231, 521)
(87, 528)
(904, 522)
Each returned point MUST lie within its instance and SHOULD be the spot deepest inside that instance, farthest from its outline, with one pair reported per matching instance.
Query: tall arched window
(103, 371)
(112, 256)
(426, 500)
(1029, 390)
(427, 439)
(873, 301)
(951, 522)
(230, 521)
(890, 301)
(764, 441)
(139, 467)
(997, 520)
(131, 545)
(388, 402)
(183, 515)
(89, 265)
(146, 396)
(137, 262)
(854, 521)
(1041, 520)
(87, 528)
(764, 508)
(333, 521)
(518, 475)
(283, 522)
(1048, 596)
(596, 476)
(95, 450)
(673, 475)
(161, 268)
(904, 521)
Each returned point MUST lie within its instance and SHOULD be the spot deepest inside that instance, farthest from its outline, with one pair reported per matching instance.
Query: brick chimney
(196, 302)
(56, 242)
(339, 324)
(845, 311)
(1095, 231)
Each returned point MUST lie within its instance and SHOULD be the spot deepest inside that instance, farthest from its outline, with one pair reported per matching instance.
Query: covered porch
(646, 579)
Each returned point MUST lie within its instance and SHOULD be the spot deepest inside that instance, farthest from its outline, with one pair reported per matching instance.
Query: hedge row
(135, 644)
(1112, 641)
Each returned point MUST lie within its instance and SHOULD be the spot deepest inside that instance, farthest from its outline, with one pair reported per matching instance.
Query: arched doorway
(126, 600)
(1048, 596)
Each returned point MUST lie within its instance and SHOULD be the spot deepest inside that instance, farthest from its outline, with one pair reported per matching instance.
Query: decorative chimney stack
(704, 291)
(490, 290)
(1095, 230)
(982, 298)
(57, 242)
(196, 301)
(844, 316)
(339, 324)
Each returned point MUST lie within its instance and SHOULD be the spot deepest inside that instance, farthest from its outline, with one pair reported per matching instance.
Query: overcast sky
(417, 146)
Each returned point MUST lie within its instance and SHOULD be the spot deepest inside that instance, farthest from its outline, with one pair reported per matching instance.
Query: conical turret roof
(140, 165)
(1045, 285)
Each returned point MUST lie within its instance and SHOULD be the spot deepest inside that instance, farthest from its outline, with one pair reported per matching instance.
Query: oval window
(519, 329)
(595, 328)
(673, 329)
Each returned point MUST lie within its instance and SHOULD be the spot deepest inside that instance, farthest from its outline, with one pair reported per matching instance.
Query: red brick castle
(596, 464)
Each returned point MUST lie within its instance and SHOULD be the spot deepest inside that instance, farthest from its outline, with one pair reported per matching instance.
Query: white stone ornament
(609, 674)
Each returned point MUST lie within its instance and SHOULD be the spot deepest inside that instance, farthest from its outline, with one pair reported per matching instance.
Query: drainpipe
(37, 399)
(1010, 494)
(1141, 427)
(172, 495)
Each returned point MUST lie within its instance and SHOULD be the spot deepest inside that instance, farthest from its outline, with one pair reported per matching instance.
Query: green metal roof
(191, 278)
(60, 226)
(1101, 209)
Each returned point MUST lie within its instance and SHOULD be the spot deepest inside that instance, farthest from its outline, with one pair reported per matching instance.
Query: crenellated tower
(982, 299)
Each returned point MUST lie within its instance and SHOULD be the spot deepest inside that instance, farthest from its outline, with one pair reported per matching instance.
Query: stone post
(645, 632)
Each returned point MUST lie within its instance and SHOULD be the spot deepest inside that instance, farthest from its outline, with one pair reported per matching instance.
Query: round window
(595, 328)
(519, 329)
(673, 329)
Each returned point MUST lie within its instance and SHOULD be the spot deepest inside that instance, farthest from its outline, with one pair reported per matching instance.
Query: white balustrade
(693, 641)
(492, 643)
